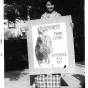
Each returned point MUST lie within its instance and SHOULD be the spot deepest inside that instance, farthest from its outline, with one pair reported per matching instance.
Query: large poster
(50, 45)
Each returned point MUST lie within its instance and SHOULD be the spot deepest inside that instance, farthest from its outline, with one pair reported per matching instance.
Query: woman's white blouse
(50, 15)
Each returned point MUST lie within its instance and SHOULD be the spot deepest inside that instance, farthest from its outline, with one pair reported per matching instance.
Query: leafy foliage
(8, 34)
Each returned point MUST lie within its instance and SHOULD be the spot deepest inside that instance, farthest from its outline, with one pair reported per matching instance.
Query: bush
(8, 34)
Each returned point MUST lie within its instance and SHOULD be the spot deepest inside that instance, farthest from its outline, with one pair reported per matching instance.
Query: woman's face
(49, 6)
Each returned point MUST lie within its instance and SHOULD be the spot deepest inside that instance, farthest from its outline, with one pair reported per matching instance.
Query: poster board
(50, 46)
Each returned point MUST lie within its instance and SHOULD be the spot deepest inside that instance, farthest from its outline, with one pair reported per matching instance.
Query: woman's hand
(72, 25)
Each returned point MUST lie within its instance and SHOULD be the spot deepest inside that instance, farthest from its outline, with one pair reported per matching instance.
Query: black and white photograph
(44, 43)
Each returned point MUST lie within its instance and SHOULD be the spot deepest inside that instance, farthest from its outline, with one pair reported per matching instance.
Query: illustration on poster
(43, 47)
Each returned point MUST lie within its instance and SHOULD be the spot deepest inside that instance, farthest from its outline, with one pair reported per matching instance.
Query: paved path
(20, 79)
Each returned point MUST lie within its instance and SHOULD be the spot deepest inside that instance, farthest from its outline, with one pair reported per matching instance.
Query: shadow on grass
(80, 64)
(81, 78)
(14, 75)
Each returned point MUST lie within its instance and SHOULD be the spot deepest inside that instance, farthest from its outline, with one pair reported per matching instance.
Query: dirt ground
(20, 79)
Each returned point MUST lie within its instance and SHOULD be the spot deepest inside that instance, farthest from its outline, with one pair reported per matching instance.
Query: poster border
(70, 45)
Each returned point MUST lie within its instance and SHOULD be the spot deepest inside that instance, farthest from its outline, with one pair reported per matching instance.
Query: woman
(50, 13)
(50, 80)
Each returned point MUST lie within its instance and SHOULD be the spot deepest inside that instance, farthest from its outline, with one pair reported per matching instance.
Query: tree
(22, 8)
(11, 12)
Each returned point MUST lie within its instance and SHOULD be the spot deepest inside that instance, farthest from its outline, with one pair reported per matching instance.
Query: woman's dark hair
(51, 1)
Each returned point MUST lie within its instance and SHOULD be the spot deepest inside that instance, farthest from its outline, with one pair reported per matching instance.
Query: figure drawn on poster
(43, 48)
